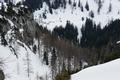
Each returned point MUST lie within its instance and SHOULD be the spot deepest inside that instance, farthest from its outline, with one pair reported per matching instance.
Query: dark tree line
(90, 34)
(69, 32)
(94, 36)
(34, 4)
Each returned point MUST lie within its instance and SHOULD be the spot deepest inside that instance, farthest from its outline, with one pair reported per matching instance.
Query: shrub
(112, 56)
(64, 75)
(2, 76)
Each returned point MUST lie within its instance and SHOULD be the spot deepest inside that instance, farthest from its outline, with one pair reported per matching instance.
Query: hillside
(101, 12)
(19, 57)
(54, 39)
(25, 66)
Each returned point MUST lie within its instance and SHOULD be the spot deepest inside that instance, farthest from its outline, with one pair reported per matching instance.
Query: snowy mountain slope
(17, 68)
(102, 13)
(19, 60)
(107, 71)
(20, 35)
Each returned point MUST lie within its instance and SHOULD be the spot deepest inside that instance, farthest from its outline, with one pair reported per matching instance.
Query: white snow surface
(17, 1)
(74, 14)
(118, 42)
(13, 1)
(10, 22)
(16, 68)
(107, 71)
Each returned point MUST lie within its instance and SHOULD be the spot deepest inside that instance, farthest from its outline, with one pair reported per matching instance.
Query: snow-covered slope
(107, 71)
(18, 60)
(104, 11)
(25, 66)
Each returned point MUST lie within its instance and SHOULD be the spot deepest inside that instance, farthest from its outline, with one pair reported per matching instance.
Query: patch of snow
(10, 22)
(0, 5)
(118, 42)
(17, 1)
(21, 30)
(4, 4)
(84, 64)
(1, 16)
(107, 71)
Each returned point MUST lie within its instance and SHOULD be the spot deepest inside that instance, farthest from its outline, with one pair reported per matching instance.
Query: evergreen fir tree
(87, 6)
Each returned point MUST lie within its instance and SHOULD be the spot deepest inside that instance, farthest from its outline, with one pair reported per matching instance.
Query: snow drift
(107, 71)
